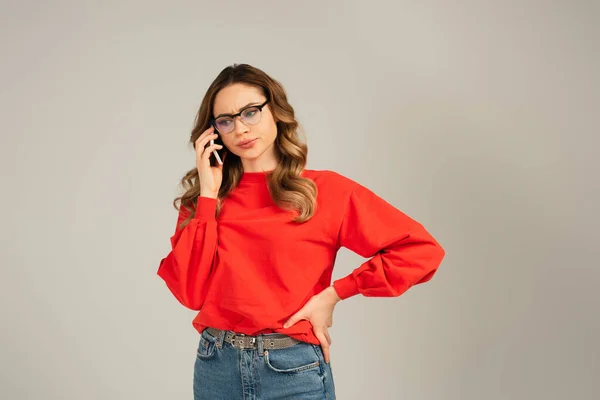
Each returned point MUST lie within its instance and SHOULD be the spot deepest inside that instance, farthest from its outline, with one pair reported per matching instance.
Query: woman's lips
(247, 145)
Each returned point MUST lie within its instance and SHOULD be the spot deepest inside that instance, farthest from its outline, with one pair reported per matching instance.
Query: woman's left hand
(319, 312)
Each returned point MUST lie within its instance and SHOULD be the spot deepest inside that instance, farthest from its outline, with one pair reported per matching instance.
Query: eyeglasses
(250, 115)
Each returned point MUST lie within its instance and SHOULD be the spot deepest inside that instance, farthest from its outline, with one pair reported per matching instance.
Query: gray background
(477, 118)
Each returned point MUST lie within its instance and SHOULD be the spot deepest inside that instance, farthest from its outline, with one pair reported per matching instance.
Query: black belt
(242, 341)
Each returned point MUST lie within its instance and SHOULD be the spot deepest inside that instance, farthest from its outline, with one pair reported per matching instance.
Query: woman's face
(252, 143)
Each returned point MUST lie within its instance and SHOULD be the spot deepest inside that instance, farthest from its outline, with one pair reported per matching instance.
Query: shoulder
(331, 181)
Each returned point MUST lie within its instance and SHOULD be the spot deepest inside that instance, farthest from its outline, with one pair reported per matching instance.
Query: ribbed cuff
(346, 287)
(206, 208)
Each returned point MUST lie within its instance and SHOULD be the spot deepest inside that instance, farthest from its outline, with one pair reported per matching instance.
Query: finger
(206, 133)
(324, 345)
(328, 337)
(201, 143)
(210, 148)
(208, 151)
(290, 322)
(204, 139)
(293, 319)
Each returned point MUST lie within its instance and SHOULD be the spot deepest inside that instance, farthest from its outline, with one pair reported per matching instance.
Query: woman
(256, 240)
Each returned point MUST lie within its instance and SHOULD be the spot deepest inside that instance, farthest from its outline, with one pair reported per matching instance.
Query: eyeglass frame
(213, 121)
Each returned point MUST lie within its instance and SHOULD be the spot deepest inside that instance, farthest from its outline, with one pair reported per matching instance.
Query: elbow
(434, 261)
(183, 299)
(178, 288)
(194, 306)
(439, 254)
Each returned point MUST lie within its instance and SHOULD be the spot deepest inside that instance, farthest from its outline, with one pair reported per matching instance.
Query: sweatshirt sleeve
(401, 252)
(188, 266)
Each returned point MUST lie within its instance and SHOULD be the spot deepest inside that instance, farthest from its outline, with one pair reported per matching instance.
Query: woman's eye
(250, 113)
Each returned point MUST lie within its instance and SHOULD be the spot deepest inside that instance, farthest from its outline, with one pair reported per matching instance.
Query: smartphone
(216, 156)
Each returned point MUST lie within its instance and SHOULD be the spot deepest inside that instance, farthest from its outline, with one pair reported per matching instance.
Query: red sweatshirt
(251, 268)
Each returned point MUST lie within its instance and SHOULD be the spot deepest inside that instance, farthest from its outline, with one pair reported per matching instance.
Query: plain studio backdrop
(477, 118)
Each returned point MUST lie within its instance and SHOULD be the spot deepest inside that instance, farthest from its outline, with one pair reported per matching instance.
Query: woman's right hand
(210, 177)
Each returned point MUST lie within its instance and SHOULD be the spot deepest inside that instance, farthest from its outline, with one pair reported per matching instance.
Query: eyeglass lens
(250, 116)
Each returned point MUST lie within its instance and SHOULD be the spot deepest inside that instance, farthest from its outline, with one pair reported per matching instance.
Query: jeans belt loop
(261, 350)
(220, 339)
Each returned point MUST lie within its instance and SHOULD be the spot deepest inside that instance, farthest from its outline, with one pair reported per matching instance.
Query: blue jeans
(223, 372)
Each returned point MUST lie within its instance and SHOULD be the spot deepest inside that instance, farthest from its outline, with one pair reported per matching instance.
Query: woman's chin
(249, 154)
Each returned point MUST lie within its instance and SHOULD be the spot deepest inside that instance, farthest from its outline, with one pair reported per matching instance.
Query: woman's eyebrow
(247, 105)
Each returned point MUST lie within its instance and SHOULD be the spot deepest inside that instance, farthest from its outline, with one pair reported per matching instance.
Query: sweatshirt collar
(258, 177)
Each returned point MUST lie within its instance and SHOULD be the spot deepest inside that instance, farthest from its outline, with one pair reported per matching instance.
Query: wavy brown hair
(289, 190)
